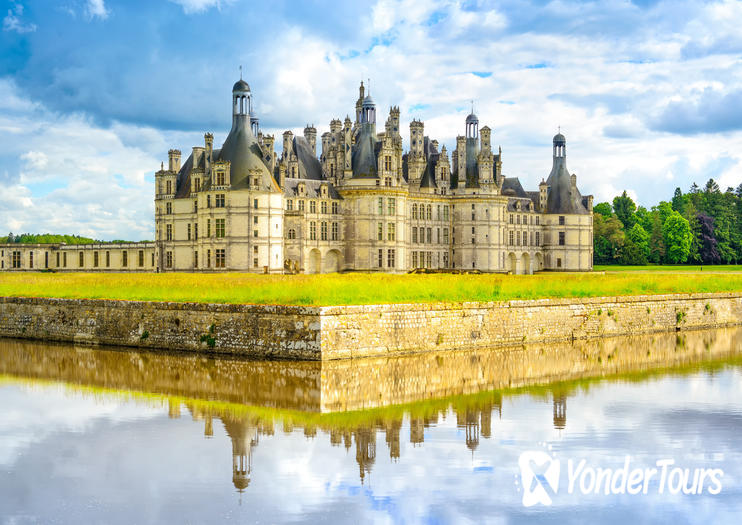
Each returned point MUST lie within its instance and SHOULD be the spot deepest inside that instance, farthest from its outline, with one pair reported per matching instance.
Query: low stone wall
(340, 332)
(290, 332)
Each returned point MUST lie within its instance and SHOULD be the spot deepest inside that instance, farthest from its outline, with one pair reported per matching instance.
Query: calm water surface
(107, 436)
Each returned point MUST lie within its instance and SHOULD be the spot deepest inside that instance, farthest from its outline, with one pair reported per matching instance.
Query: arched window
(414, 211)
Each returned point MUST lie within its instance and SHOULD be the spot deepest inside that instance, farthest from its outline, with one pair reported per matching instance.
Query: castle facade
(362, 204)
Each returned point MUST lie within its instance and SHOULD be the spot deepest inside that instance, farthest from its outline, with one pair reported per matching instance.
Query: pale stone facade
(361, 204)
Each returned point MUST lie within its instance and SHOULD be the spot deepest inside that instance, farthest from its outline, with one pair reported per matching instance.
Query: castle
(363, 204)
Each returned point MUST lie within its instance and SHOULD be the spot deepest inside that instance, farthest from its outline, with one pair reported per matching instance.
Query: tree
(624, 208)
(677, 235)
(678, 201)
(608, 239)
(639, 237)
(603, 208)
(657, 250)
(708, 251)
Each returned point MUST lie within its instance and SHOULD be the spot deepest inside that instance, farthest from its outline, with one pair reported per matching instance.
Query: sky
(93, 93)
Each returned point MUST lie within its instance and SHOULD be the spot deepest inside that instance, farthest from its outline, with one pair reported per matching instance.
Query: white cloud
(96, 9)
(199, 6)
(12, 21)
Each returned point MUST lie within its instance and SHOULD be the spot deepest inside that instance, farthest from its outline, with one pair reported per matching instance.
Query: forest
(702, 226)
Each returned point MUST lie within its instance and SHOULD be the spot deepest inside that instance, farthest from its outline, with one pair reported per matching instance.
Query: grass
(356, 288)
(692, 268)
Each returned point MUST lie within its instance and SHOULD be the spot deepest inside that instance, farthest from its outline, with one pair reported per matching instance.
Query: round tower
(241, 101)
(560, 146)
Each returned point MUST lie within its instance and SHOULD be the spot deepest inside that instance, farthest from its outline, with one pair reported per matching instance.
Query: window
(256, 182)
(81, 260)
(445, 213)
(430, 259)
(414, 259)
(381, 205)
(220, 258)
(390, 258)
(511, 218)
(169, 232)
(538, 238)
(57, 259)
(380, 232)
(323, 231)
(388, 162)
(188, 232)
(169, 208)
(220, 178)
(16, 259)
(381, 258)
(430, 212)
(531, 243)
(323, 207)
(312, 231)
(255, 233)
(219, 200)
(430, 235)
(208, 258)
(124, 258)
(168, 259)
(255, 262)
(414, 211)
(169, 186)
(438, 235)
(445, 235)
(195, 206)
(301, 205)
(153, 258)
(414, 234)
(387, 181)
(208, 227)
(561, 238)
(195, 231)
(195, 259)
(335, 208)
(95, 259)
(64, 260)
(517, 219)
(197, 185)
(391, 231)
(289, 205)
(510, 239)
(208, 201)
(392, 206)
(537, 220)
(219, 227)
(561, 220)
(30, 259)
(255, 204)
(334, 231)
(312, 207)
(559, 263)
(291, 234)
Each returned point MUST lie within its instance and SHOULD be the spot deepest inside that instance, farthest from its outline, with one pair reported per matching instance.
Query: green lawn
(358, 288)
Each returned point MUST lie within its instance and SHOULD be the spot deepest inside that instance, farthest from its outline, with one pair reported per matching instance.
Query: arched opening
(331, 262)
(526, 264)
(512, 263)
(315, 261)
(539, 263)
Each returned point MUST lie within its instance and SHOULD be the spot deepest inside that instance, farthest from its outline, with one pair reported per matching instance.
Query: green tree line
(43, 238)
(702, 226)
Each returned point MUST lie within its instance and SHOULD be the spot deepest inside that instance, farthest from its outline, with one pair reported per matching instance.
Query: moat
(91, 435)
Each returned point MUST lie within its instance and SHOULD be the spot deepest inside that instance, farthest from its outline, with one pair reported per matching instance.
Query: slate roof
(562, 197)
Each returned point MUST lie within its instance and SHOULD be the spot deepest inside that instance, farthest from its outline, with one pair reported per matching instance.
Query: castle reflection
(351, 403)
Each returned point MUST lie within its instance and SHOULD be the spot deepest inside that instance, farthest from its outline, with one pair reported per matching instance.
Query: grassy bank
(335, 289)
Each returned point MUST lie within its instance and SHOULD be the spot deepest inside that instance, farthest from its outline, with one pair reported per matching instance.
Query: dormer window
(220, 178)
(324, 191)
(302, 189)
(256, 182)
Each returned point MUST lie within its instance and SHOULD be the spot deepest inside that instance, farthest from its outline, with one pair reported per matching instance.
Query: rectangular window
(198, 184)
(208, 258)
(220, 228)
(392, 206)
(414, 259)
(108, 259)
(301, 205)
(323, 231)
(438, 235)
(388, 162)
(81, 260)
(561, 238)
(16, 259)
(255, 219)
(255, 262)
(445, 213)
(220, 258)
(188, 232)
(390, 258)
(517, 219)
(429, 235)
(335, 208)
(559, 263)
(169, 230)
(208, 201)
(220, 178)
(124, 258)
(289, 205)
(391, 232)
(169, 208)
(511, 218)
(220, 200)
(195, 231)
(168, 259)
(312, 231)
(195, 259)
(445, 235)
(57, 260)
(323, 206)
(561, 220)
(381, 205)
(195, 206)
(312, 207)
(430, 260)
(95, 259)
(255, 233)
(510, 238)
(64, 259)
(30, 259)
(414, 234)
(208, 227)
(538, 238)
(255, 203)
(380, 232)
(141, 258)
(538, 220)
(381, 258)
(153, 259)
(334, 231)
(169, 186)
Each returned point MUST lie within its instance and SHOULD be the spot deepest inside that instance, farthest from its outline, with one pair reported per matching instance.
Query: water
(108, 436)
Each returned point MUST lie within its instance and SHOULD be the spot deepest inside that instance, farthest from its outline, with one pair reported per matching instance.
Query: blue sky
(94, 92)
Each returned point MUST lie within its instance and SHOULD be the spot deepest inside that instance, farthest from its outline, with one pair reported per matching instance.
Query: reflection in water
(251, 399)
